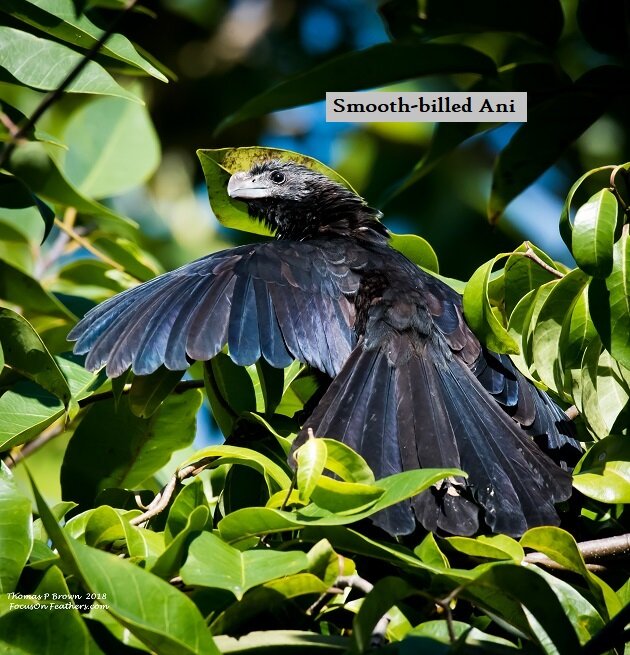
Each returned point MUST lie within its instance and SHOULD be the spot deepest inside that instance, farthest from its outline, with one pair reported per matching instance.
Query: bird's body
(412, 386)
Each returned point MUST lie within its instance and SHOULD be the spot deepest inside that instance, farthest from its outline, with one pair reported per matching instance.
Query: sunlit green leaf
(16, 47)
(213, 563)
(173, 626)
(479, 314)
(594, 233)
(59, 18)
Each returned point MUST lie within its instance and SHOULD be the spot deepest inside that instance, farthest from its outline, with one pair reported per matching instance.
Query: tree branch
(75, 236)
(180, 387)
(53, 96)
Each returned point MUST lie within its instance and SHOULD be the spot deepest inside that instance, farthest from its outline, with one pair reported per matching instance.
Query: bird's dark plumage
(412, 386)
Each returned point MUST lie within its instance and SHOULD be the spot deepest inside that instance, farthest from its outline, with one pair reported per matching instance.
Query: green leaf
(585, 618)
(547, 330)
(213, 563)
(219, 165)
(21, 289)
(522, 275)
(310, 459)
(112, 147)
(561, 547)
(190, 497)
(16, 535)
(416, 249)
(59, 18)
(379, 65)
(594, 234)
(27, 59)
(25, 352)
(114, 448)
(172, 626)
(609, 301)
(148, 392)
(168, 563)
(479, 315)
(566, 226)
(32, 164)
(605, 389)
(274, 475)
(503, 584)
(14, 194)
(346, 462)
(344, 497)
(230, 391)
(248, 522)
(46, 625)
(417, 640)
(25, 411)
(429, 552)
(499, 547)
(603, 473)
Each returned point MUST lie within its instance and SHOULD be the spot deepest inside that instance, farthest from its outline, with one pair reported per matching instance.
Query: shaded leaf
(14, 194)
(148, 392)
(378, 65)
(114, 448)
(25, 352)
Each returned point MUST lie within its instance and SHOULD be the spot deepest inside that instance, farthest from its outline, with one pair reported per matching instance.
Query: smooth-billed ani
(412, 386)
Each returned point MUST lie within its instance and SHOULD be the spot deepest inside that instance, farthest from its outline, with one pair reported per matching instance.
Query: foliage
(248, 553)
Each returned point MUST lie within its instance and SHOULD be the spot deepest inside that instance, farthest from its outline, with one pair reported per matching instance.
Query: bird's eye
(277, 177)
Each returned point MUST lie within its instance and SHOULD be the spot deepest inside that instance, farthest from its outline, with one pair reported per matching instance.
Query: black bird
(412, 386)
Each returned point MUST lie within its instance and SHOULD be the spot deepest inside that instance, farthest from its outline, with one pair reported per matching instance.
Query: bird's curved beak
(243, 186)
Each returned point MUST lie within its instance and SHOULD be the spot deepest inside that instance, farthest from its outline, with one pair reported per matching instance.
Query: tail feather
(427, 409)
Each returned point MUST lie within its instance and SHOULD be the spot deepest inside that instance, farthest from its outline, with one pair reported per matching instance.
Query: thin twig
(542, 560)
(29, 448)
(12, 128)
(615, 190)
(445, 605)
(87, 245)
(180, 387)
(572, 412)
(159, 503)
(593, 550)
(53, 96)
(530, 254)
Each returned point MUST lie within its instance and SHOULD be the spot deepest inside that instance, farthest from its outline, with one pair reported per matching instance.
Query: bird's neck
(297, 222)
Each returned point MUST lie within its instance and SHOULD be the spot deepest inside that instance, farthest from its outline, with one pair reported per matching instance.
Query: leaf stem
(530, 254)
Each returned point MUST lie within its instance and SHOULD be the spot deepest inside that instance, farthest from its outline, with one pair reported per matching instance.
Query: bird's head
(298, 202)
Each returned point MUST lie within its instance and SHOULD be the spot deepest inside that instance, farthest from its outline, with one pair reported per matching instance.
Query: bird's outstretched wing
(280, 300)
